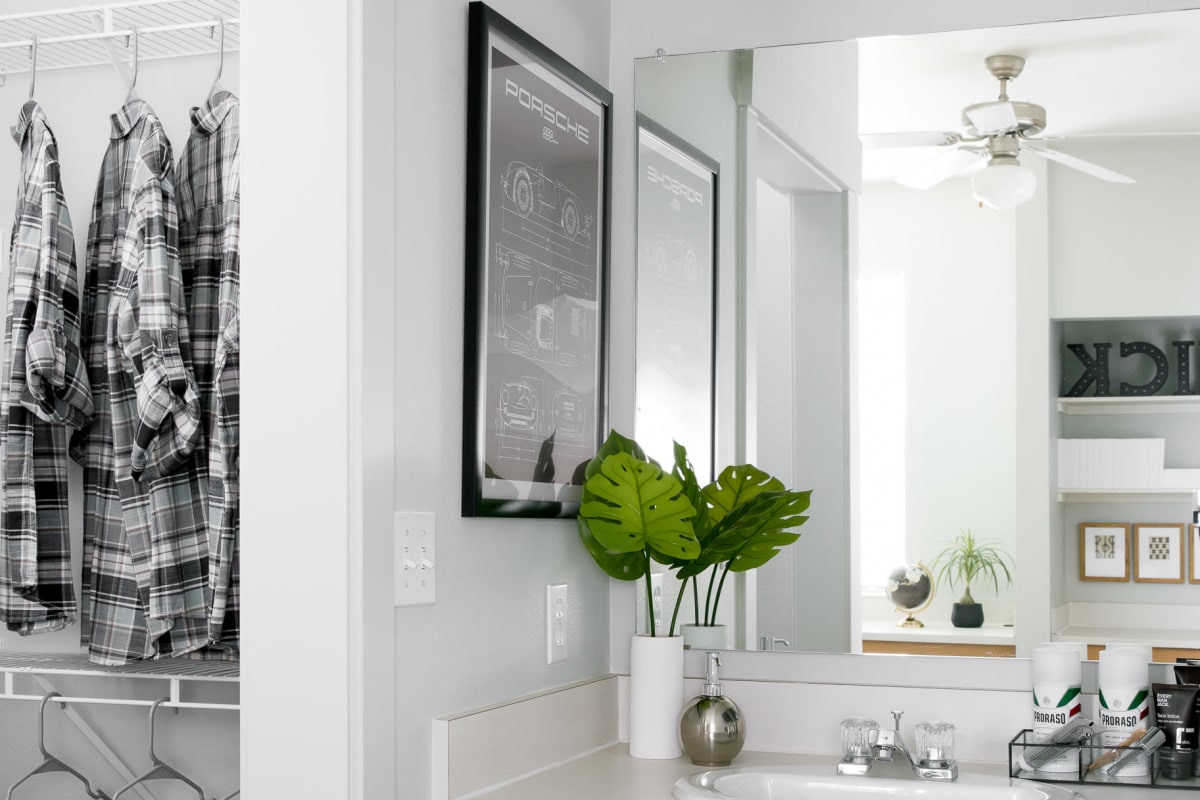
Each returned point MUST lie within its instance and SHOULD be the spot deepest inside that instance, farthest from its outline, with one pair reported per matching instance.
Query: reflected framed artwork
(677, 199)
(1103, 551)
(1158, 552)
(1193, 546)
(537, 228)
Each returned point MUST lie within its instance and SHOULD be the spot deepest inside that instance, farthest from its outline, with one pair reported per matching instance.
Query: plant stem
(708, 597)
(696, 598)
(675, 613)
(720, 586)
(649, 597)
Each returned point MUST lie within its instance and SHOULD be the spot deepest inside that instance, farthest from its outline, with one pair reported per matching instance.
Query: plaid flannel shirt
(43, 390)
(143, 523)
(209, 235)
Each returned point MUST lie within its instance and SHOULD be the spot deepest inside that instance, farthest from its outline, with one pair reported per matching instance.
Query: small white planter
(655, 696)
(705, 637)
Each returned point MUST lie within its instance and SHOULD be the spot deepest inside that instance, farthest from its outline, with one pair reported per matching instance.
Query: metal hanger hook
(33, 44)
(220, 54)
(134, 73)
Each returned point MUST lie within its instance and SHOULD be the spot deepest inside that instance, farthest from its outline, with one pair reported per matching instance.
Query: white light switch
(414, 554)
(556, 623)
(656, 598)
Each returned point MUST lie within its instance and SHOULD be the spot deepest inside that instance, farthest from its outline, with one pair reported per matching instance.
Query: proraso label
(1121, 713)
(1054, 707)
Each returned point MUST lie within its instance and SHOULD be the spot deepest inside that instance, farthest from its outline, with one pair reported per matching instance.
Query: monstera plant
(633, 512)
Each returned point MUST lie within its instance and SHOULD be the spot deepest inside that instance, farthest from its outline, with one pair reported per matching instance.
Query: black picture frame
(678, 223)
(537, 251)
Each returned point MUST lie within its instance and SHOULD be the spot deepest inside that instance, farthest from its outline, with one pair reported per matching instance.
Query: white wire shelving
(175, 673)
(86, 36)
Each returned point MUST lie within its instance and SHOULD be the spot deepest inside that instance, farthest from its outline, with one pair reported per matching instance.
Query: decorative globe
(910, 588)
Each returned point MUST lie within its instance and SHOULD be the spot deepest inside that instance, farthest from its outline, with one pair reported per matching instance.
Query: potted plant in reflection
(633, 513)
(965, 559)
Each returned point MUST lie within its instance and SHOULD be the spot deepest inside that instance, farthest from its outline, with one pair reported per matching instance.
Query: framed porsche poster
(676, 295)
(536, 274)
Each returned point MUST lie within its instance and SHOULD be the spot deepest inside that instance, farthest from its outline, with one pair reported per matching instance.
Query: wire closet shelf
(89, 36)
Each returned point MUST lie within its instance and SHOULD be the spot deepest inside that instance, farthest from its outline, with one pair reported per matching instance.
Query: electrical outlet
(656, 598)
(414, 555)
(556, 623)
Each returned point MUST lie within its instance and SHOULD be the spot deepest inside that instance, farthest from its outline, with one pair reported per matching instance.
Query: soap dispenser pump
(711, 728)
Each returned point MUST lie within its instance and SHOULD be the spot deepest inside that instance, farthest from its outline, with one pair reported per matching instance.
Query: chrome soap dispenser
(711, 728)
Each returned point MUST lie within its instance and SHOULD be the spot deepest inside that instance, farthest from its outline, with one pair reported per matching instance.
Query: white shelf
(1156, 404)
(1127, 496)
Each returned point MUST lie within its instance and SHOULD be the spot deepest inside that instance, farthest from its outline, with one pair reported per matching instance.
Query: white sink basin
(819, 782)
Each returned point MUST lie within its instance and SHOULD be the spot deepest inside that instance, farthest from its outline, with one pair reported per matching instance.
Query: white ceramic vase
(655, 696)
(705, 637)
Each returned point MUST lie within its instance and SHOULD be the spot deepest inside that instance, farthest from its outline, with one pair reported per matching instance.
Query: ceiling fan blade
(873, 141)
(940, 167)
(1095, 170)
(991, 118)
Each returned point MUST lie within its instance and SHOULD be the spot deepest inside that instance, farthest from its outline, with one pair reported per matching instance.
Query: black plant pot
(967, 615)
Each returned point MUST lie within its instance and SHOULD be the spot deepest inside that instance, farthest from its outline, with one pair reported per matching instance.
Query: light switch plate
(556, 623)
(415, 571)
(656, 598)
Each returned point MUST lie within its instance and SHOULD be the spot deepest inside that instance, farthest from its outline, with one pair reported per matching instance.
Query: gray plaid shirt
(144, 504)
(43, 390)
(209, 235)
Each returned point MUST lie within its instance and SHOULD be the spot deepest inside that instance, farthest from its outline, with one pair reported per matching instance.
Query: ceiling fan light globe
(1003, 185)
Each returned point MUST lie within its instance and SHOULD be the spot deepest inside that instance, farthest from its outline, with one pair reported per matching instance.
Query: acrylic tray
(1083, 756)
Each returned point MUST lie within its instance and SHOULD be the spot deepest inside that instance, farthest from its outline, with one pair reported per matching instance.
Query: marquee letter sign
(1096, 368)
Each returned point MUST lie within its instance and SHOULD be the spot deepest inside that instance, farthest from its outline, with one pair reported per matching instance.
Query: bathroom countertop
(612, 773)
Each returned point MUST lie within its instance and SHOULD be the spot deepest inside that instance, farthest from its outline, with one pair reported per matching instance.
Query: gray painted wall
(483, 641)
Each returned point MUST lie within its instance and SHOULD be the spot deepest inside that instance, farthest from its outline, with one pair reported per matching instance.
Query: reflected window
(880, 358)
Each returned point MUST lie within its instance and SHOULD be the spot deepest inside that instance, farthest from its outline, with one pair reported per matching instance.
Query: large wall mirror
(886, 340)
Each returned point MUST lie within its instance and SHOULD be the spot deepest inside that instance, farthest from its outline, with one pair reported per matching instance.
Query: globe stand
(898, 582)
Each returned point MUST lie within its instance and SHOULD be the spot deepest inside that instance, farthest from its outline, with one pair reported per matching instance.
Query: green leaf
(615, 443)
(622, 566)
(754, 532)
(735, 486)
(683, 472)
(635, 506)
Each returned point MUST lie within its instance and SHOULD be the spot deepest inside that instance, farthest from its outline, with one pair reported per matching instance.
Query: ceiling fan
(994, 134)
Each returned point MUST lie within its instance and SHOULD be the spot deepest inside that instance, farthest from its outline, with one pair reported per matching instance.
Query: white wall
(483, 640)
(1126, 250)
(78, 103)
(958, 264)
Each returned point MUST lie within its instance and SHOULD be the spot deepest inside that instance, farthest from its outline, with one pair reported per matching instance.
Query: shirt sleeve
(45, 361)
(168, 409)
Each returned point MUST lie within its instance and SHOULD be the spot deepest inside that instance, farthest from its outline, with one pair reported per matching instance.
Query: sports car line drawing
(532, 193)
(518, 407)
(672, 258)
(545, 314)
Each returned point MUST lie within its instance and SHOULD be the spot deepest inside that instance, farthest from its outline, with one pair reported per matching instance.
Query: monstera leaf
(622, 566)
(631, 505)
(752, 533)
(683, 472)
(734, 486)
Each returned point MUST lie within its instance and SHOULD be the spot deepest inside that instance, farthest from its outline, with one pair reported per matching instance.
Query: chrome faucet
(887, 747)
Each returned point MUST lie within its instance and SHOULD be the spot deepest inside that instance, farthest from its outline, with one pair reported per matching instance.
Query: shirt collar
(29, 112)
(128, 116)
(209, 116)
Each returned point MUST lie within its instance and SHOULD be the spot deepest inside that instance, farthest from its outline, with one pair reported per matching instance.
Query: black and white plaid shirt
(144, 504)
(209, 235)
(43, 390)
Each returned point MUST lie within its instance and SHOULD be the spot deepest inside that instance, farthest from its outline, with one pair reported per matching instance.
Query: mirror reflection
(891, 339)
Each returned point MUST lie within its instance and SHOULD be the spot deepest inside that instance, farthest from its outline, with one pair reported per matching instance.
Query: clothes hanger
(160, 769)
(32, 64)
(132, 94)
(216, 84)
(51, 763)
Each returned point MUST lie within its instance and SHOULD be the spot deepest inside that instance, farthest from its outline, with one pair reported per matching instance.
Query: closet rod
(121, 34)
(115, 701)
